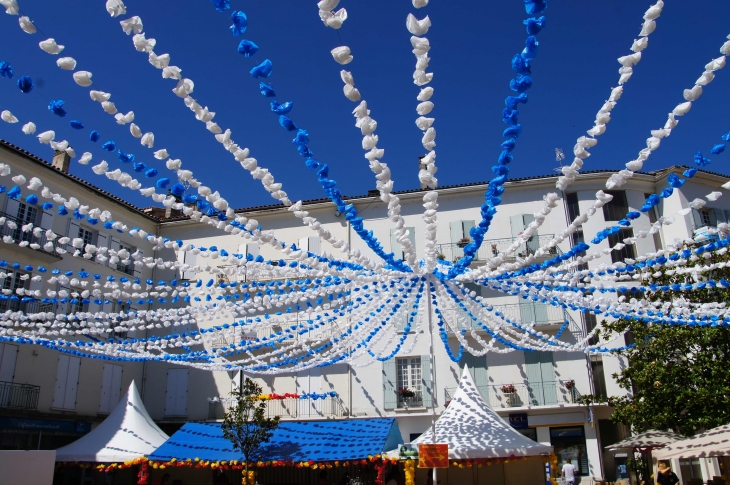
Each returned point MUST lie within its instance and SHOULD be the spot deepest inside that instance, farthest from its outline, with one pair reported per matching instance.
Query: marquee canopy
(127, 433)
(296, 441)
(715, 442)
(647, 440)
(473, 430)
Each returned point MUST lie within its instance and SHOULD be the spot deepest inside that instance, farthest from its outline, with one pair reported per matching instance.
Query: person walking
(666, 476)
(568, 472)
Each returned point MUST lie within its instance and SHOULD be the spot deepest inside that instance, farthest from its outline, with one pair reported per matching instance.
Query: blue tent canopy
(343, 440)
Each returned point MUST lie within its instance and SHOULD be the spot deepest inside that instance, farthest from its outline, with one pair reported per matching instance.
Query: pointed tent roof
(473, 430)
(127, 433)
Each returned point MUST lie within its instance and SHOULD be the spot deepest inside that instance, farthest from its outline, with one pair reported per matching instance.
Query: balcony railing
(18, 235)
(421, 399)
(492, 247)
(19, 396)
(549, 393)
(27, 307)
(289, 408)
(525, 313)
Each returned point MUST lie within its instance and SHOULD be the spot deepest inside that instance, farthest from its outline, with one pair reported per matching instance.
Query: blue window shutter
(457, 232)
(534, 378)
(389, 383)
(426, 383)
(547, 370)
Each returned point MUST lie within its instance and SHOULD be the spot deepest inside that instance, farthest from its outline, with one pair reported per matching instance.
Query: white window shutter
(138, 269)
(61, 377)
(102, 240)
(190, 258)
(106, 388)
(180, 255)
(72, 383)
(47, 220)
(304, 244)
(8, 356)
(242, 250)
(116, 388)
(36, 285)
(182, 392)
(73, 229)
(114, 244)
(170, 396)
(253, 249)
(11, 207)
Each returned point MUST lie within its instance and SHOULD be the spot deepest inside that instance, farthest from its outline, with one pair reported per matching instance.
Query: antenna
(559, 157)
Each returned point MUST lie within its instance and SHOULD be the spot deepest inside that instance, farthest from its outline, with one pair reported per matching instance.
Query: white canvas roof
(715, 442)
(473, 430)
(127, 433)
(647, 440)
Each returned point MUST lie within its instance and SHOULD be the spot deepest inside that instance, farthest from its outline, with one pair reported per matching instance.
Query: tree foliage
(678, 377)
(245, 423)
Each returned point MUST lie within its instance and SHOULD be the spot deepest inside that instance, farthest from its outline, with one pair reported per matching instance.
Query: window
(116, 307)
(591, 322)
(13, 281)
(571, 200)
(125, 268)
(653, 217)
(628, 251)
(460, 237)
(67, 382)
(599, 376)
(690, 469)
(86, 235)
(27, 214)
(395, 246)
(111, 388)
(570, 442)
(529, 433)
(409, 378)
(176, 399)
(617, 208)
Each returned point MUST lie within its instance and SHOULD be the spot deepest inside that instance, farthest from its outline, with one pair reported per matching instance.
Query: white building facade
(536, 391)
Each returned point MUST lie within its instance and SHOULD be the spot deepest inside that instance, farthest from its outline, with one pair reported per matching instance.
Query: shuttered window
(67, 382)
(176, 399)
(111, 388)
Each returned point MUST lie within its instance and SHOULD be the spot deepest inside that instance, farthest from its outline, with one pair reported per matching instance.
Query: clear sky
(472, 45)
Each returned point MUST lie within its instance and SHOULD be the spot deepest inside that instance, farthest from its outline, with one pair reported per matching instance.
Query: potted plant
(510, 393)
(569, 384)
(495, 251)
(406, 393)
(440, 256)
(463, 242)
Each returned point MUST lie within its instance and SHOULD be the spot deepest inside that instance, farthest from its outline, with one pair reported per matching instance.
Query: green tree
(677, 376)
(245, 423)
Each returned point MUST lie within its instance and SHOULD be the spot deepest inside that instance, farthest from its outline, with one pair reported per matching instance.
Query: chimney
(61, 161)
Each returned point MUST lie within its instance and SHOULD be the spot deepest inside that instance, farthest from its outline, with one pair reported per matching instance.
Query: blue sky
(472, 45)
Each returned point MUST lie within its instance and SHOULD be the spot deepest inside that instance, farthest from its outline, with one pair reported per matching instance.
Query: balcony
(15, 304)
(525, 313)
(18, 235)
(23, 397)
(492, 247)
(549, 393)
(289, 408)
(420, 399)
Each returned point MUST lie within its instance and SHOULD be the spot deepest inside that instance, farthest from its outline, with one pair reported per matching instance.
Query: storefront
(39, 434)
(570, 442)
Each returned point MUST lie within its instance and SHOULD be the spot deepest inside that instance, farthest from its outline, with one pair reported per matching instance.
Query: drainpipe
(349, 324)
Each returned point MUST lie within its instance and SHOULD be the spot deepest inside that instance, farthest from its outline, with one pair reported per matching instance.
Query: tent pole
(433, 369)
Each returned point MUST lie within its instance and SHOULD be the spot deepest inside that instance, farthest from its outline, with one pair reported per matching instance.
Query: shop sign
(433, 456)
(80, 427)
(408, 451)
(518, 420)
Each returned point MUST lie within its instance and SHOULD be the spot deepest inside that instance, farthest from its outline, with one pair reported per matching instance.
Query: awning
(715, 442)
(127, 433)
(293, 441)
(647, 440)
(473, 430)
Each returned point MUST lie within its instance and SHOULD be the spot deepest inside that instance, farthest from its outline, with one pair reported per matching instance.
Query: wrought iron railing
(27, 307)
(289, 408)
(548, 393)
(492, 247)
(19, 396)
(126, 269)
(525, 313)
(421, 397)
(18, 235)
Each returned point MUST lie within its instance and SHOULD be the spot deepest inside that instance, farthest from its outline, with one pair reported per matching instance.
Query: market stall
(298, 452)
(638, 468)
(478, 437)
(120, 442)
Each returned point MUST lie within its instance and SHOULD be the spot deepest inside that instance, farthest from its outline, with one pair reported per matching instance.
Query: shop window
(570, 442)
(529, 433)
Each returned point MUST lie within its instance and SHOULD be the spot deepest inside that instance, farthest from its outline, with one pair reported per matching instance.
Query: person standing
(568, 472)
(665, 476)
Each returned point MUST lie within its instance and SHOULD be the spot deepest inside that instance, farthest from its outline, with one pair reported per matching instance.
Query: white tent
(648, 440)
(127, 433)
(715, 442)
(473, 430)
